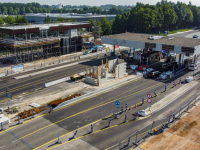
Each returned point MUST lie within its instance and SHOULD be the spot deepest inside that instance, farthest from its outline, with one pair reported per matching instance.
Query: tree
(181, 11)
(21, 19)
(47, 20)
(1, 21)
(170, 16)
(106, 27)
(5, 10)
(10, 10)
(10, 19)
(124, 21)
(116, 26)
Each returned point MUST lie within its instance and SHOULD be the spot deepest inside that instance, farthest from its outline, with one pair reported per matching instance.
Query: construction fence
(155, 127)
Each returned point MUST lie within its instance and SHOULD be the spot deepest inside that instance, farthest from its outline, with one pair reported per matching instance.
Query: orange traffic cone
(135, 106)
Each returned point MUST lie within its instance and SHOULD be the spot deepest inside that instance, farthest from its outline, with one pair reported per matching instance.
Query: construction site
(19, 44)
(98, 75)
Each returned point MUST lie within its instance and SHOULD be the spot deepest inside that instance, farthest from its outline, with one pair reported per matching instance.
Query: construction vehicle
(76, 77)
(92, 49)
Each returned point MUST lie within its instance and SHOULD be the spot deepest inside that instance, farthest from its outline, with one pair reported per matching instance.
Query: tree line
(21, 8)
(13, 20)
(157, 18)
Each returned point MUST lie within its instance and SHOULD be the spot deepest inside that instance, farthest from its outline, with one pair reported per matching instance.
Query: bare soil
(183, 135)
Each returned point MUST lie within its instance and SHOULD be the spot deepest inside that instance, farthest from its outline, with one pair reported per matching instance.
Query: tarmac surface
(42, 129)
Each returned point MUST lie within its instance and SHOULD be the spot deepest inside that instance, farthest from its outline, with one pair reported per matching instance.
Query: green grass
(172, 32)
(162, 34)
(183, 30)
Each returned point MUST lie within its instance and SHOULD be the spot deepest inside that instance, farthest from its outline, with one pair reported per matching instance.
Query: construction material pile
(28, 113)
(58, 101)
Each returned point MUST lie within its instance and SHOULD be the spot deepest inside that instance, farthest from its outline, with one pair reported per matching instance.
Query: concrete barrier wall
(91, 94)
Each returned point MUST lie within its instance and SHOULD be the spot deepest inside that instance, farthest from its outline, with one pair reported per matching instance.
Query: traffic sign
(149, 96)
(117, 103)
(149, 100)
(9, 95)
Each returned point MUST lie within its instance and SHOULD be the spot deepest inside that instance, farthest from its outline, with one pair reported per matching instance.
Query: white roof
(44, 26)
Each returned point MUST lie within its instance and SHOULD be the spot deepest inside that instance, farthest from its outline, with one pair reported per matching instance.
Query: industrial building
(39, 17)
(32, 42)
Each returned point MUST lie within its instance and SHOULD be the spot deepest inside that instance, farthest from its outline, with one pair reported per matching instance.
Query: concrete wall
(90, 80)
(72, 32)
(122, 42)
(112, 65)
(102, 81)
(121, 70)
(95, 71)
(103, 71)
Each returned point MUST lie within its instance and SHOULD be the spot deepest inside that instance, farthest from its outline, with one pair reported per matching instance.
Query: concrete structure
(99, 75)
(39, 18)
(30, 42)
(148, 43)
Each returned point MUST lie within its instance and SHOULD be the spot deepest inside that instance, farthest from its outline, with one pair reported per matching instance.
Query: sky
(96, 2)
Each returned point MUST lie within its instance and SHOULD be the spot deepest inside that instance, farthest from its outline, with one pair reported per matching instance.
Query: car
(143, 67)
(154, 73)
(195, 36)
(193, 67)
(189, 79)
(142, 113)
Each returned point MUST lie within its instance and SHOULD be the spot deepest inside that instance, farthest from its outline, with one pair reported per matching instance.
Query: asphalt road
(17, 87)
(36, 132)
(188, 34)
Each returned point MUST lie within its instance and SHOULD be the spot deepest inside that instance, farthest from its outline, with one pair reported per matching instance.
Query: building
(31, 42)
(59, 6)
(39, 17)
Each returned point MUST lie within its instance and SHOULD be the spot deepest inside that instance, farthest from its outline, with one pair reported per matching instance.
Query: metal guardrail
(140, 136)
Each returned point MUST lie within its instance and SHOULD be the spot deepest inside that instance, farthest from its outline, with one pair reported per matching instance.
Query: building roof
(187, 42)
(66, 15)
(35, 28)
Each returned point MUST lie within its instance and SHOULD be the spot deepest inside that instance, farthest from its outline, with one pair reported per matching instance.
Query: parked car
(153, 74)
(143, 67)
(142, 113)
(169, 67)
(193, 67)
(195, 36)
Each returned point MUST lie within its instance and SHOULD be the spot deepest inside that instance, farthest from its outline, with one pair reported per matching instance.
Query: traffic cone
(135, 106)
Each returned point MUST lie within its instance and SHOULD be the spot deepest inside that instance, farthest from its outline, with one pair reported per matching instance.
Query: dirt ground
(183, 135)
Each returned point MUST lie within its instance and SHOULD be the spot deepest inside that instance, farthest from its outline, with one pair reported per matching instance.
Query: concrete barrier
(94, 93)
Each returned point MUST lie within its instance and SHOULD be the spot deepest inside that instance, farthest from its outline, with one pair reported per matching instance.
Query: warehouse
(39, 17)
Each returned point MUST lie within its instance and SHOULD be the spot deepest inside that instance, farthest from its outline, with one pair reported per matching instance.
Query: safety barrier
(92, 94)
(155, 127)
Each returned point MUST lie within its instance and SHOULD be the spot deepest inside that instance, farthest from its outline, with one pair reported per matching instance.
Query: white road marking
(14, 141)
(2, 146)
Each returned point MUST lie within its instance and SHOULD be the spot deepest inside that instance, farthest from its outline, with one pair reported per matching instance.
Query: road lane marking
(79, 67)
(63, 107)
(86, 110)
